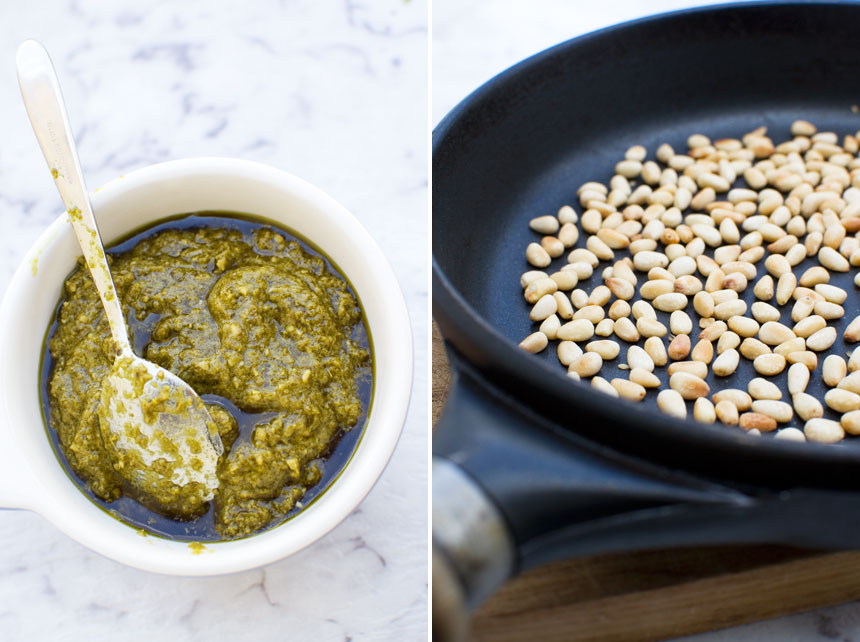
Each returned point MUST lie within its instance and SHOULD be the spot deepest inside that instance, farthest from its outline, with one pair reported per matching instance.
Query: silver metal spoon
(161, 437)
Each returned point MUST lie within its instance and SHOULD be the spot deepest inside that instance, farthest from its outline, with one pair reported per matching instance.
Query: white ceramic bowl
(32, 478)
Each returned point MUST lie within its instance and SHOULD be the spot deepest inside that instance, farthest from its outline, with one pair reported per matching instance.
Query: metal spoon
(157, 430)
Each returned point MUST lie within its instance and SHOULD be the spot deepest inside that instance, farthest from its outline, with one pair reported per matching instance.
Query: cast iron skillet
(529, 466)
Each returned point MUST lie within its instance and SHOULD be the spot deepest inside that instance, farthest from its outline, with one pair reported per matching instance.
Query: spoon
(158, 432)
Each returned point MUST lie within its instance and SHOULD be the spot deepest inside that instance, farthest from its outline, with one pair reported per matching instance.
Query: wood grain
(655, 595)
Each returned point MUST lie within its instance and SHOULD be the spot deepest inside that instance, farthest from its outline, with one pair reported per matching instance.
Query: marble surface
(335, 92)
(473, 40)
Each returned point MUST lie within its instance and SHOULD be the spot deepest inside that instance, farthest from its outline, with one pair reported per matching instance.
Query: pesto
(263, 329)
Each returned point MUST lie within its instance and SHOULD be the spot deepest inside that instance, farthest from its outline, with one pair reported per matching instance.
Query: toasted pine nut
(822, 339)
(537, 256)
(752, 348)
(785, 287)
(842, 400)
(798, 378)
(577, 330)
(689, 386)
(703, 351)
(852, 331)
(679, 348)
(626, 331)
(696, 368)
(807, 358)
(726, 412)
(648, 327)
(535, 342)
(607, 349)
(601, 384)
(809, 326)
(703, 410)
(538, 288)
(806, 406)
(728, 341)
(726, 363)
(778, 410)
(769, 364)
(670, 302)
(714, 331)
(764, 288)
(757, 421)
(672, 403)
(823, 430)
(587, 365)
(628, 389)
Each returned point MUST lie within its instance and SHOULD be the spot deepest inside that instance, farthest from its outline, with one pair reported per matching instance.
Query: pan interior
(522, 145)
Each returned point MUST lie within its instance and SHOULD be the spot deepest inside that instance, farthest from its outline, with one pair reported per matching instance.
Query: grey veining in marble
(473, 40)
(335, 92)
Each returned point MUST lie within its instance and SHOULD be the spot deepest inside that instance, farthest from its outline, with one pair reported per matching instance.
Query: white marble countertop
(473, 40)
(333, 92)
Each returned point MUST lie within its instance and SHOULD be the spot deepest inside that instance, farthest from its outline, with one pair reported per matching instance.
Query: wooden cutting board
(659, 594)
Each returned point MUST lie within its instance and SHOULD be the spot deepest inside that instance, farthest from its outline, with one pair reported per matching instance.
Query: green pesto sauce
(262, 327)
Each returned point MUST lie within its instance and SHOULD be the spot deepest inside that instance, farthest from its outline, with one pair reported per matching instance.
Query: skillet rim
(509, 367)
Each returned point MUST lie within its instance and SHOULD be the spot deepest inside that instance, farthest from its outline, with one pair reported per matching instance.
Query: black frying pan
(529, 466)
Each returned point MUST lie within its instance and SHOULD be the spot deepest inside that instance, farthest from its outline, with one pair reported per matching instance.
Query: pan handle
(512, 490)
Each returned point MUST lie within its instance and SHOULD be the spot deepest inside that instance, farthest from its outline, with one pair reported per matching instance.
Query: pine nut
(604, 328)
(626, 331)
(568, 234)
(726, 363)
(757, 421)
(688, 285)
(806, 406)
(851, 422)
(670, 302)
(592, 313)
(539, 288)
(582, 269)
(680, 323)
(552, 246)
(743, 326)
(601, 384)
(645, 260)
(621, 288)
(607, 349)
(726, 412)
(530, 276)
(696, 368)
(583, 255)
(672, 403)
(822, 339)
(537, 256)
(600, 295)
(535, 342)
(854, 361)
(809, 326)
(550, 326)
(568, 352)
(824, 431)
(688, 385)
(832, 260)
(773, 333)
(831, 293)
(752, 348)
(544, 224)
(648, 327)
(778, 410)
(619, 309)
(842, 400)
(714, 331)
(850, 383)
(763, 389)
(829, 310)
(679, 348)
(703, 351)
(644, 378)
(545, 306)
(728, 309)
(587, 365)
(728, 341)
(565, 279)
(803, 307)
(764, 288)
(790, 434)
(628, 389)
(798, 378)
(703, 410)
(740, 399)
(703, 303)
(577, 330)
(785, 288)
(769, 364)
(807, 358)
(652, 289)
(764, 312)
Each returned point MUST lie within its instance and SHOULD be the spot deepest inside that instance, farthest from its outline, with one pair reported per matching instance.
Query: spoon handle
(44, 103)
